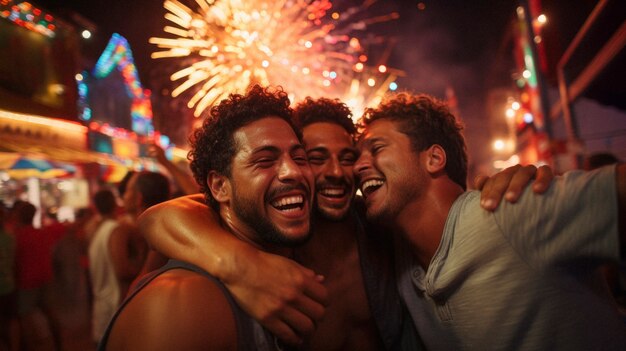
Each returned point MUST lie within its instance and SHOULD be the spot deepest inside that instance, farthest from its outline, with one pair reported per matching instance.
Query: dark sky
(451, 43)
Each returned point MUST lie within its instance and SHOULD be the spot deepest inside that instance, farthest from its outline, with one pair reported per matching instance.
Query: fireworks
(298, 44)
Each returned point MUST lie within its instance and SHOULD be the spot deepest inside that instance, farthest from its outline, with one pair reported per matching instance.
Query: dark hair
(154, 188)
(104, 200)
(426, 121)
(311, 111)
(24, 212)
(600, 159)
(213, 146)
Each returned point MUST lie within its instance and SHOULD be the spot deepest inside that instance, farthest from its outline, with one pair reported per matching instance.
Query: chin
(377, 216)
(332, 215)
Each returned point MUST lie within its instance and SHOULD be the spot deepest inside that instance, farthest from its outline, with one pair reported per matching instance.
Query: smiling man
(523, 277)
(252, 169)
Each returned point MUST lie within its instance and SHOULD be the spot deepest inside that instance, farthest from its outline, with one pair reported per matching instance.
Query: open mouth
(289, 203)
(334, 193)
(370, 186)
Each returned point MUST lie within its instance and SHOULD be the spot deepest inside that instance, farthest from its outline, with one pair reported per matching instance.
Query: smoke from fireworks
(297, 44)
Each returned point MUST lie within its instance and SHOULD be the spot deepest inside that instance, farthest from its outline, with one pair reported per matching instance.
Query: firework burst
(233, 44)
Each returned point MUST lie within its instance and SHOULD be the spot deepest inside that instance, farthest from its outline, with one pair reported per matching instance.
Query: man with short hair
(523, 277)
(251, 167)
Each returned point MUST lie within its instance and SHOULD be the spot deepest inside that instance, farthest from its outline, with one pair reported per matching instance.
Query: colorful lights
(24, 14)
(117, 55)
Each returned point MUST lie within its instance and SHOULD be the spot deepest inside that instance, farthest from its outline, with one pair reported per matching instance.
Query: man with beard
(364, 310)
(251, 167)
(522, 277)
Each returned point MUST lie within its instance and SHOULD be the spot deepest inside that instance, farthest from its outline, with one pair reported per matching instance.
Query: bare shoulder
(179, 310)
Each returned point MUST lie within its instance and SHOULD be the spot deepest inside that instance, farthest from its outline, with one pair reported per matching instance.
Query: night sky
(448, 44)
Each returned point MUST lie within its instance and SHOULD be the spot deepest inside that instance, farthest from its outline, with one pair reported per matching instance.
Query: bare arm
(510, 183)
(282, 295)
(184, 180)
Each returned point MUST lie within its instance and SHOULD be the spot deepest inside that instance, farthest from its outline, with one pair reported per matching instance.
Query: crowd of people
(102, 249)
(309, 232)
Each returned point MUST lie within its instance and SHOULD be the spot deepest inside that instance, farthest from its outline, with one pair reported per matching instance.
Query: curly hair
(426, 121)
(323, 109)
(213, 146)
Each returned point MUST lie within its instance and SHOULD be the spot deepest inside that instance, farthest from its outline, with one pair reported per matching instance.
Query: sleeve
(575, 222)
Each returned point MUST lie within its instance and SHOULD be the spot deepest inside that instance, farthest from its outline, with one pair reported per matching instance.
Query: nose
(289, 170)
(363, 163)
(333, 168)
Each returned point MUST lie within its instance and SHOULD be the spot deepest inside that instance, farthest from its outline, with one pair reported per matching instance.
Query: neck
(329, 239)
(244, 233)
(422, 221)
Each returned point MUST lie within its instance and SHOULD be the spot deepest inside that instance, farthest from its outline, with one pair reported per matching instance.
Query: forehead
(266, 132)
(380, 129)
(325, 134)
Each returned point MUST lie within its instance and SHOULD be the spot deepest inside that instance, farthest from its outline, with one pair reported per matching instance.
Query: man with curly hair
(252, 169)
(523, 277)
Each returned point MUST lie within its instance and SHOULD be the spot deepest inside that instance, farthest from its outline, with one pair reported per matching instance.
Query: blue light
(86, 114)
(393, 86)
(332, 75)
(528, 117)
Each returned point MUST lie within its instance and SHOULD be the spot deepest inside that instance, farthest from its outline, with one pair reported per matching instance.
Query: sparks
(234, 44)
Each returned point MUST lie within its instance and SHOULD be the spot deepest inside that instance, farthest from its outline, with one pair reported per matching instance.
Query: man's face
(272, 182)
(389, 171)
(331, 155)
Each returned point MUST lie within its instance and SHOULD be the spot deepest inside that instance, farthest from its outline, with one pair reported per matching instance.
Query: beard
(402, 193)
(250, 214)
(323, 214)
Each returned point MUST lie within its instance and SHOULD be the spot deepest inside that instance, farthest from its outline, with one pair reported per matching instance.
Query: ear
(436, 159)
(219, 185)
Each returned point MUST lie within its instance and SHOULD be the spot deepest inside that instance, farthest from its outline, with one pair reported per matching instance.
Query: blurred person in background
(9, 324)
(34, 279)
(105, 288)
(183, 180)
(145, 189)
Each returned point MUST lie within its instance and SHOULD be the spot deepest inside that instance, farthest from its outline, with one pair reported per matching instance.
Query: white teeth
(332, 192)
(373, 182)
(290, 200)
